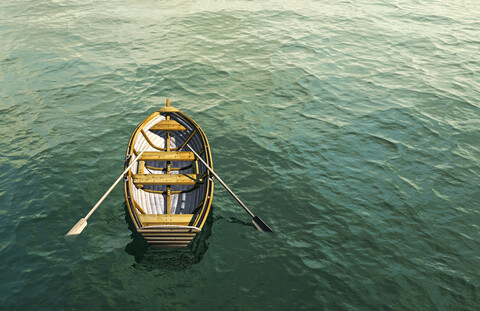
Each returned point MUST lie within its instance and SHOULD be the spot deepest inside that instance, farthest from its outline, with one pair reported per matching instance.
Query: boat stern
(171, 236)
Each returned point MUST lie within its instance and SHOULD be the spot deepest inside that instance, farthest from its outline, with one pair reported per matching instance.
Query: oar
(82, 223)
(259, 223)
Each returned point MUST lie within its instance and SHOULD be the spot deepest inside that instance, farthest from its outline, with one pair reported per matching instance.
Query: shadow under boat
(150, 257)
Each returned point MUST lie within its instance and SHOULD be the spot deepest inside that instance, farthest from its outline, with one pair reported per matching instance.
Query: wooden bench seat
(168, 125)
(165, 179)
(167, 156)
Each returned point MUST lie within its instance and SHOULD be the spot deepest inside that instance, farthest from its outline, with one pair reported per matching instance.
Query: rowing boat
(168, 189)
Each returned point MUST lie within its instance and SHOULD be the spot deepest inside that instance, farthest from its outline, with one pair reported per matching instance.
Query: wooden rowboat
(168, 190)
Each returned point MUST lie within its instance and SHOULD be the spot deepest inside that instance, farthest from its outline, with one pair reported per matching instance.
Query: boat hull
(168, 192)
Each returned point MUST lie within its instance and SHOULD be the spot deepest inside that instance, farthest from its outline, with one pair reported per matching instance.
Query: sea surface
(352, 128)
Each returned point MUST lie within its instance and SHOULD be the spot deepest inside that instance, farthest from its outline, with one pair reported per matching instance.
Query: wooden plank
(153, 168)
(169, 201)
(165, 219)
(169, 109)
(169, 228)
(165, 179)
(180, 229)
(169, 238)
(168, 125)
(166, 231)
(141, 170)
(167, 143)
(167, 156)
(160, 232)
(169, 242)
(166, 234)
(141, 167)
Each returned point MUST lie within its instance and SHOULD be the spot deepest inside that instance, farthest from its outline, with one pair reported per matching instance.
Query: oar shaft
(113, 186)
(221, 181)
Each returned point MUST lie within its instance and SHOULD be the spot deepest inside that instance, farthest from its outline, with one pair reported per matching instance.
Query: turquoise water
(350, 127)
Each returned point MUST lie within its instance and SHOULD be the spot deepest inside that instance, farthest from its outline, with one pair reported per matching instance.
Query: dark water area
(350, 127)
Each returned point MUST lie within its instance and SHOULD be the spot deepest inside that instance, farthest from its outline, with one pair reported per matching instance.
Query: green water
(350, 127)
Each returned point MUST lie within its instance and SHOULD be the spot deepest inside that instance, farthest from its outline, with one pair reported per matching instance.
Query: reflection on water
(148, 257)
(234, 220)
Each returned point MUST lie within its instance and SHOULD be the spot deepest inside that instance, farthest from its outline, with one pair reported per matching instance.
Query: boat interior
(168, 179)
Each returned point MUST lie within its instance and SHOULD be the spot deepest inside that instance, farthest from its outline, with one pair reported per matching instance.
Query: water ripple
(350, 127)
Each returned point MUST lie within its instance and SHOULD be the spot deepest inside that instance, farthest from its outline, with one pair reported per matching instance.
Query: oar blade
(78, 228)
(261, 225)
